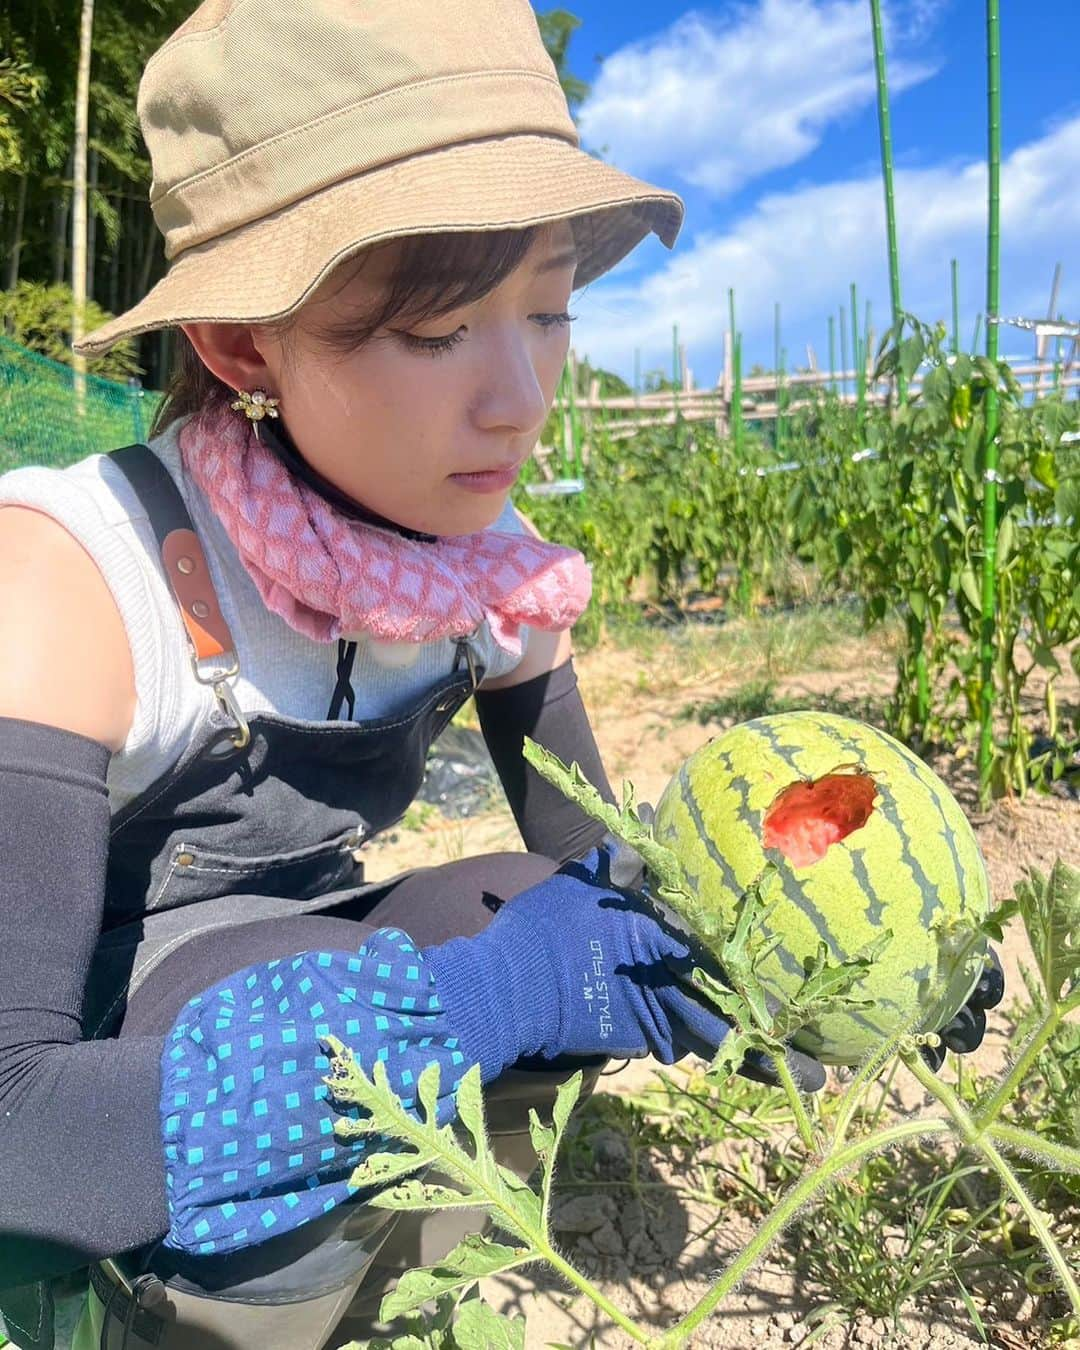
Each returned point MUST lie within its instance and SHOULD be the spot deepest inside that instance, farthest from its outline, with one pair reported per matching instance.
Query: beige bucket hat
(285, 137)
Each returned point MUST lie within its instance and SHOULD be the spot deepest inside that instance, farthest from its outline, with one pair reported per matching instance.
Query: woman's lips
(491, 480)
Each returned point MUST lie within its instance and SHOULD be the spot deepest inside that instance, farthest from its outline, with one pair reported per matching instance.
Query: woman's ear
(229, 351)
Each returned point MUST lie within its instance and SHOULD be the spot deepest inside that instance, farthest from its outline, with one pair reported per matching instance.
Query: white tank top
(281, 670)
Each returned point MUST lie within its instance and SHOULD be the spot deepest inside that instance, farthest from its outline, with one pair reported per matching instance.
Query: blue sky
(762, 116)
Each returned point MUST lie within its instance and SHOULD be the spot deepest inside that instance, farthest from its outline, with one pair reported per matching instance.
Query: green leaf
(473, 1259)
(414, 1194)
(828, 986)
(377, 1169)
(1006, 537)
(910, 353)
(470, 1108)
(479, 1327)
(971, 588)
(730, 1054)
(1050, 907)
(1044, 657)
(993, 926)
(542, 1137)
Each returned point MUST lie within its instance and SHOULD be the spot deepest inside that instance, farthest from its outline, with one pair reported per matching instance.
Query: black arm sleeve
(82, 1171)
(549, 710)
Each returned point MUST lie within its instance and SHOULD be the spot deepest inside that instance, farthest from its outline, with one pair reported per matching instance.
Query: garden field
(662, 1178)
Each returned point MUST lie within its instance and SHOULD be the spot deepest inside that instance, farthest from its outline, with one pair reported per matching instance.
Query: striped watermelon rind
(914, 867)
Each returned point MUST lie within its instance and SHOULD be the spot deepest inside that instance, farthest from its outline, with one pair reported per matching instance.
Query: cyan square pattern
(248, 1121)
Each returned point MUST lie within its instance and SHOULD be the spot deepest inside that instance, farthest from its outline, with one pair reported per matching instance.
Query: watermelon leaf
(993, 926)
(479, 1327)
(468, 1175)
(670, 883)
(1050, 907)
(827, 987)
(474, 1258)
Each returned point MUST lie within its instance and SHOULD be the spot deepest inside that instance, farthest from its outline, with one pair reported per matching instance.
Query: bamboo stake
(843, 353)
(676, 377)
(955, 308)
(736, 363)
(987, 626)
(832, 353)
(858, 358)
(778, 435)
(78, 232)
(885, 129)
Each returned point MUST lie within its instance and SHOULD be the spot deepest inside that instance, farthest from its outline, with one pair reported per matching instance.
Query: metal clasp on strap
(464, 643)
(223, 692)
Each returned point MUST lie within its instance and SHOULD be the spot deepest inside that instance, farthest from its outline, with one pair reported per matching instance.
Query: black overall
(231, 834)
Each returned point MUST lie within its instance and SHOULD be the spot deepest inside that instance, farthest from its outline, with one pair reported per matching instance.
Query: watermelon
(865, 837)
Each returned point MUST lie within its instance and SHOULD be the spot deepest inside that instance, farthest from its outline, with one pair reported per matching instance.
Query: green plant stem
(597, 1295)
(987, 625)
(975, 1137)
(989, 1111)
(795, 1099)
(789, 1205)
(1061, 1156)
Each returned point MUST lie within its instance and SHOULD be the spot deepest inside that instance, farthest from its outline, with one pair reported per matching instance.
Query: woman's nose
(512, 391)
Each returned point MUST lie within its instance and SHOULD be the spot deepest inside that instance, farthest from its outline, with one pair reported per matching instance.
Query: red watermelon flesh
(807, 818)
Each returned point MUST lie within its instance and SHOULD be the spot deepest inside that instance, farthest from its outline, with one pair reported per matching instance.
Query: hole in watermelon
(807, 818)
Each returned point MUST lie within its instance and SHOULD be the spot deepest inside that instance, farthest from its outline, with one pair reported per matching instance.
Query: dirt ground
(655, 1264)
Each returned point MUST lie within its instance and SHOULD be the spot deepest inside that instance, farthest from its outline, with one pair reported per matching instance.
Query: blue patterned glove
(575, 966)
(248, 1126)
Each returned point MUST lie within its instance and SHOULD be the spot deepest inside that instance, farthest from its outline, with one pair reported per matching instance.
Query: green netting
(44, 419)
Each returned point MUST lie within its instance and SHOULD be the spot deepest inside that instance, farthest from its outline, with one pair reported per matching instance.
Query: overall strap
(188, 575)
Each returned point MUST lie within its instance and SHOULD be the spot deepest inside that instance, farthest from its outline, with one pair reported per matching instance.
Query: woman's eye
(439, 346)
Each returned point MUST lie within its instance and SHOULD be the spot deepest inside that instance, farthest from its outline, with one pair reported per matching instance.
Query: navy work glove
(627, 869)
(574, 966)
(966, 1030)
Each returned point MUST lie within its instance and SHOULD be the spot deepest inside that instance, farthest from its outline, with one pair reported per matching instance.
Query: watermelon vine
(470, 1176)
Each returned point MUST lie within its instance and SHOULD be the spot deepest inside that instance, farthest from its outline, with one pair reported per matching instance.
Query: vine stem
(991, 1108)
(790, 1204)
(1063, 1157)
(598, 1296)
(795, 1098)
(974, 1136)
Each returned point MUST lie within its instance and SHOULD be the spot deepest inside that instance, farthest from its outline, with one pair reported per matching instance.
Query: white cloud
(717, 102)
(804, 248)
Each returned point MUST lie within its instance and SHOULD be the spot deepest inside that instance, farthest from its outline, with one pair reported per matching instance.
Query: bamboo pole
(778, 435)
(832, 353)
(843, 353)
(987, 627)
(736, 421)
(79, 199)
(955, 269)
(858, 357)
(676, 375)
(885, 129)
(738, 395)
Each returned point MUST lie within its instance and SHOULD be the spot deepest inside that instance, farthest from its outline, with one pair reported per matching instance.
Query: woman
(229, 652)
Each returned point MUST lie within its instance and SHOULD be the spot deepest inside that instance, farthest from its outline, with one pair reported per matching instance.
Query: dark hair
(435, 273)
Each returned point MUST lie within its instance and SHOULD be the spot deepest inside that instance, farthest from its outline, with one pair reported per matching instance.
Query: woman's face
(395, 424)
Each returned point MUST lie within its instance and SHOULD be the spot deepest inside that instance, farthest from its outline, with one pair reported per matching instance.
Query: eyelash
(440, 346)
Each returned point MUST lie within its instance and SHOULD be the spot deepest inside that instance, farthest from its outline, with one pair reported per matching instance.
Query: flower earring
(256, 406)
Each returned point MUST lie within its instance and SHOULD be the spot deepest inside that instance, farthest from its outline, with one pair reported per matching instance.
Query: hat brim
(266, 270)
